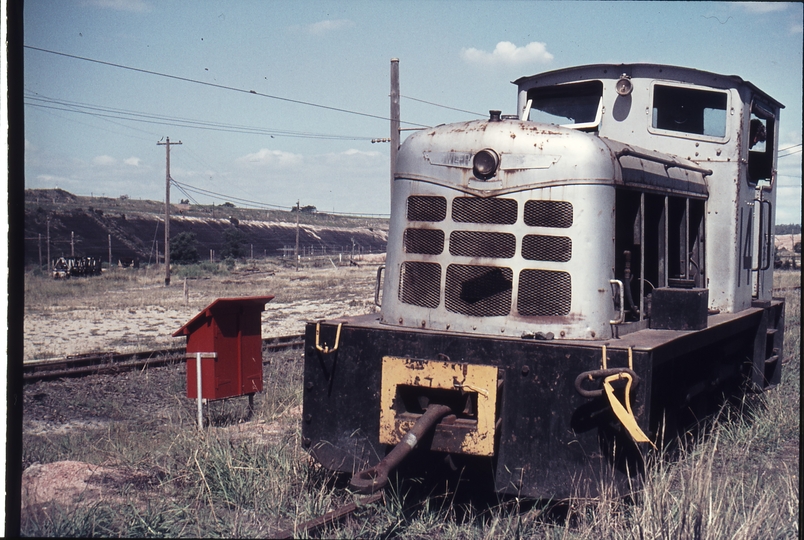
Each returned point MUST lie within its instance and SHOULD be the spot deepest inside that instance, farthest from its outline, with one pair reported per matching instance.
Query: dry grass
(740, 480)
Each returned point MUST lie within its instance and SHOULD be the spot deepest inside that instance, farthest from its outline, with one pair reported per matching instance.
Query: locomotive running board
(408, 387)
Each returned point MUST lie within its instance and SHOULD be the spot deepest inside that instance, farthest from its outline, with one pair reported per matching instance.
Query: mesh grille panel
(482, 244)
(419, 284)
(474, 210)
(556, 214)
(546, 248)
(425, 208)
(544, 293)
(479, 291)
(424, 241)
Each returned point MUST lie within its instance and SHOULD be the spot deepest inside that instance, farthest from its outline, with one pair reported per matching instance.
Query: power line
(259, 204)
(132, 116)
(442, 106)
(215, 85)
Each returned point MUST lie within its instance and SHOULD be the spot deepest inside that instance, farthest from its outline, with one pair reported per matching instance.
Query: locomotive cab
(589, 273)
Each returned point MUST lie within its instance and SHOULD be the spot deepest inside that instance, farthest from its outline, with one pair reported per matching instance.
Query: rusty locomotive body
(574, 283)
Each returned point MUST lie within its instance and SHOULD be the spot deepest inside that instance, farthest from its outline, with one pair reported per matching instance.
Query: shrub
(183, 249)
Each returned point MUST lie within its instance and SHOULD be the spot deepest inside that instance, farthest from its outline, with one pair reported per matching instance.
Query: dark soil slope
(136, 229)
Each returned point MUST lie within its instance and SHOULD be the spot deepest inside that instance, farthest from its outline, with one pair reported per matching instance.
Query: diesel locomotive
(564, 288)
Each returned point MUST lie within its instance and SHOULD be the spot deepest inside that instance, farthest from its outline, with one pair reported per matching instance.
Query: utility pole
(48, 244)
(167, 144)
(297, 235)
(40, 251)
(72, 243)
(110, 252)
(394, 115)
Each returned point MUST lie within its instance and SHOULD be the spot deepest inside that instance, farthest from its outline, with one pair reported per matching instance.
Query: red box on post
(231, 329)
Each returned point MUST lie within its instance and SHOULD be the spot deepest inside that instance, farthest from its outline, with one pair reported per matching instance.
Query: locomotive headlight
(624, 86)
(485, 164)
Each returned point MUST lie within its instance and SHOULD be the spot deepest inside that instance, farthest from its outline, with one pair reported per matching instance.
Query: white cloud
(133, 161)
(323, 27)
(355, 151)
(796, 28)
(132, 6)
(266, 158)
(507, 53)
(761, 7)
(104, 160)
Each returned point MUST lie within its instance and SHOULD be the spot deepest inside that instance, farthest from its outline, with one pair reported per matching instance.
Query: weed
(740, 479)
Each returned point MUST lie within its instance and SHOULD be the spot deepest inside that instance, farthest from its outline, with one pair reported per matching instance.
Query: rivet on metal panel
(525, 370)
(309, 385)
(308, 418)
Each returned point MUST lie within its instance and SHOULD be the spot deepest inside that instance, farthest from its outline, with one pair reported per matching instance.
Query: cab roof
(658, 71)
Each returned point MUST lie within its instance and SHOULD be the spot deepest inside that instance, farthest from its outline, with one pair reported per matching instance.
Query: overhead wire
(133, 116)
(442, 106)
(259, 204)
(216, 85)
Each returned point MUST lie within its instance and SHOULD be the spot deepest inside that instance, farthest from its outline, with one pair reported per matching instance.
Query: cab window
(760, 143)
(576, 105)
(689, 110)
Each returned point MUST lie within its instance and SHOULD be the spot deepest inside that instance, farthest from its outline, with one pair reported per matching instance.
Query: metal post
(297, 236)
(110, 252)
(48, 244)
(72, 244)
(394, 114)
(40, 251)
(198, 390)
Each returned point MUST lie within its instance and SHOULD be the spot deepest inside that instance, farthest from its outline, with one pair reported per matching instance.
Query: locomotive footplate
(516, 411)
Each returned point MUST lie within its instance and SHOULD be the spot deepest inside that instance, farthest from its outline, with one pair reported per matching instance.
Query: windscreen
(573, 105)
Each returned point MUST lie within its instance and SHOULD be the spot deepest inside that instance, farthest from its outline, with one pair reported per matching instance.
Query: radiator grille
(557, 214)
(482, 244)
(544, 293)
(474, 210)
(536, 247)
(479, 291)
(424, 241)
(426, 208)
(419, 284)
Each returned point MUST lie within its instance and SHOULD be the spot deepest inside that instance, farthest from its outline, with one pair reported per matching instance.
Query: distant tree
(183, 248)
(233, 239)
(228, 205)
(788, 229)
(797, 247)
(309, 209)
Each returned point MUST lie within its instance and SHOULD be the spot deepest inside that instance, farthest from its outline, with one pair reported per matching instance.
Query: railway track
(95, 363)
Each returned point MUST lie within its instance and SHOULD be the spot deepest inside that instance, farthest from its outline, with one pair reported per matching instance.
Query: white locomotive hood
(551, 155)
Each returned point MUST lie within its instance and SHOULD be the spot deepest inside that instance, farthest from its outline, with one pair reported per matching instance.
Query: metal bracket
(325, 349)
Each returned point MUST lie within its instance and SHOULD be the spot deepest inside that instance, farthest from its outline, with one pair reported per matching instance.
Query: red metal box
(231, 329)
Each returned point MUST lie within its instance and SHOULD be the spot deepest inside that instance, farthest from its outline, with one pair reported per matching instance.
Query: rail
(109, 362)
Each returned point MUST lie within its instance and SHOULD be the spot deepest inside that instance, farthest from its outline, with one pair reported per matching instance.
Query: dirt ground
(141, 316)
(144, 316)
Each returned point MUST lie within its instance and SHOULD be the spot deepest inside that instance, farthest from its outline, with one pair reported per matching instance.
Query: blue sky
(320, 73)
